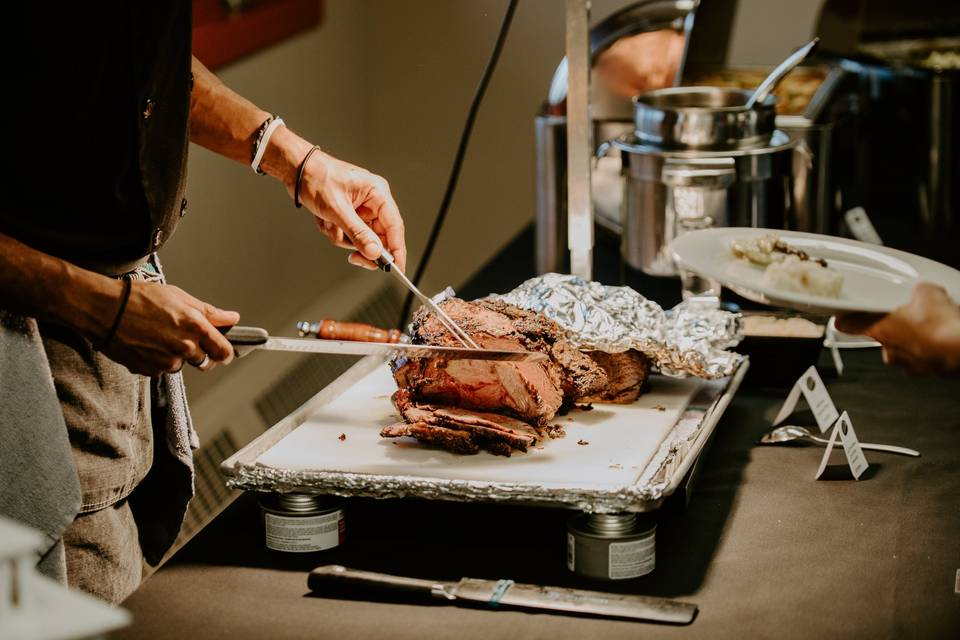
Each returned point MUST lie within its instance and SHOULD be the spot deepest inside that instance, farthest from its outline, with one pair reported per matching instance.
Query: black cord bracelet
(124, 298)
(303, 165)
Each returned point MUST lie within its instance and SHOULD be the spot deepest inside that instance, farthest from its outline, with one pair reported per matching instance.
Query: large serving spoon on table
(771, 81)
(791, 433)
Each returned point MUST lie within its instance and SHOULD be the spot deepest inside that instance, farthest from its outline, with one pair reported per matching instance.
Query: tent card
(843, 430)
(817, 397)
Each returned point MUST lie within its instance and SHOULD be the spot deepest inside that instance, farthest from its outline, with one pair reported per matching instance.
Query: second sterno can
(302, 522)
(611, 546)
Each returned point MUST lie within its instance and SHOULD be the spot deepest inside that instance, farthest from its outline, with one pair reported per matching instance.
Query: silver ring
(203, 364)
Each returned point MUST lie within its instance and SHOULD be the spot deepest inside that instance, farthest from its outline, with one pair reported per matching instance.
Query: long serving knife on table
(247, 339)
(495, 593)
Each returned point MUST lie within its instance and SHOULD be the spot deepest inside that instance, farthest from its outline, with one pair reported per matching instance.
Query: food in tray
(468, 405)
(789, 268)
(770, 326)
(942, 60)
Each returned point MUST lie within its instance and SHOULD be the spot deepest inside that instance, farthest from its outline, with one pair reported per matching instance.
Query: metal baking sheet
(613, 458)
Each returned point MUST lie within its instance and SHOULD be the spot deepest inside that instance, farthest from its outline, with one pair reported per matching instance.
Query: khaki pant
(107, 412)
(103, 553)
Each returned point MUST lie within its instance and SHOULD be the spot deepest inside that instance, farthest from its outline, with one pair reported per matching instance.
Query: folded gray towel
(38, 482)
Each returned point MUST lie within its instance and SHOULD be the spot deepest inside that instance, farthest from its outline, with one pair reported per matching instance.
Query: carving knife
(386, 263)
(247, 339)
(497, 593)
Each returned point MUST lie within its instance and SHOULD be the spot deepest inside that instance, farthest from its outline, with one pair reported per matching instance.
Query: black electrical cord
(458, 158)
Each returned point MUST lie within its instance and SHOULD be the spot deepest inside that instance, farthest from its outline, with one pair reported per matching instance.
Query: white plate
(876, 279)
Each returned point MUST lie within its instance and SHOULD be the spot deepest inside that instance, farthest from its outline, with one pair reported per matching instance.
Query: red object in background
(222, 35)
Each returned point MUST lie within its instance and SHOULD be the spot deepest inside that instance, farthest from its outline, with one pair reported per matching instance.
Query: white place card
(818, 399)
(844, 433)
(861, 227)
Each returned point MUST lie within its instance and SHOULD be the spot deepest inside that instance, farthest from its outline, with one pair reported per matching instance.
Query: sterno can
(611, 546)
(302, 522)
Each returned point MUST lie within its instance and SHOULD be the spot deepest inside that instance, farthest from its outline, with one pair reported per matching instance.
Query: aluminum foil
(690, 339)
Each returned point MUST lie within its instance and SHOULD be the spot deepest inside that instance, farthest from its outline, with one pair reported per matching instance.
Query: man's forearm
(225, 122)
(41, 286)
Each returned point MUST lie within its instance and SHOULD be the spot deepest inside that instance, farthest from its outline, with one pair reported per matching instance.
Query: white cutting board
(622, 439)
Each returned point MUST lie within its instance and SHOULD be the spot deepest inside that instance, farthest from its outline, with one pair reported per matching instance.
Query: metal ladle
(791, 433)
(782, 70)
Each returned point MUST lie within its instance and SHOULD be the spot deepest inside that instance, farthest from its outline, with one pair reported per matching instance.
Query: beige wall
(766, 31)
(384, 84)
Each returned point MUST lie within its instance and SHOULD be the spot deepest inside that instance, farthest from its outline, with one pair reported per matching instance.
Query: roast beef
(468, 405)
(626, 374)
(531, 391)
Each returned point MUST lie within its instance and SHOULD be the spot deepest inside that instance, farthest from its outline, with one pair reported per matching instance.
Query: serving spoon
(782, 70)
(791, 433)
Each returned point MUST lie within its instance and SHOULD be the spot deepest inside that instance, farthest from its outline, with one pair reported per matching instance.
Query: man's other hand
(164, 327)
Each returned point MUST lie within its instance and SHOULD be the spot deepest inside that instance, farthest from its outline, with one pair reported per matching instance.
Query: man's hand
(163, 327)
(922, 336)
(354, 209)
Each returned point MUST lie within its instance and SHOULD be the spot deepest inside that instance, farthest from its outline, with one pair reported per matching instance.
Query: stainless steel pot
(702, 118)
(668, 192)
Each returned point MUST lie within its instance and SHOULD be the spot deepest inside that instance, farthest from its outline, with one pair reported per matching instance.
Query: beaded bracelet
(303, 165)
(260, 141)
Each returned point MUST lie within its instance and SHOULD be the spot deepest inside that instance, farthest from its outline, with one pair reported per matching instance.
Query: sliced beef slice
(449, 439)
(485, 428)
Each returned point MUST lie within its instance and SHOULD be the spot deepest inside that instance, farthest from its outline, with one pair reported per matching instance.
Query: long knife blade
(246, 339)
(616, 605)
(504, 592)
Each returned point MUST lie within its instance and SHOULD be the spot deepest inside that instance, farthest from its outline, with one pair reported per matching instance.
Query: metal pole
(579, 140)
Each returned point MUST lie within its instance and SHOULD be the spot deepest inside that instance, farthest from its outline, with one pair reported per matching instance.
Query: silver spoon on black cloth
(791, 433)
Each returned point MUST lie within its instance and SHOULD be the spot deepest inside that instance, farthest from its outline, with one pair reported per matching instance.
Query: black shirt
(96, 121)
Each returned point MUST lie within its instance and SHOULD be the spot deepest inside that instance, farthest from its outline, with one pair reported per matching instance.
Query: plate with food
(809, 271)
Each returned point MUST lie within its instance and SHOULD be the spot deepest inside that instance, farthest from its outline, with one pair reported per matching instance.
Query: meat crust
(626, 376)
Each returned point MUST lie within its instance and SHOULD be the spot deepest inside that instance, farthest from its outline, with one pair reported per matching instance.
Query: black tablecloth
(762, 548)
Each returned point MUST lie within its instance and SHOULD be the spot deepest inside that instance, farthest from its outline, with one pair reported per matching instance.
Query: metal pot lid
(779, 141)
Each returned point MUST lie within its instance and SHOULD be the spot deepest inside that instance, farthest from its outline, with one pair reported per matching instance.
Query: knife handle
(352, 331)
(245, 336)
(339, 579)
